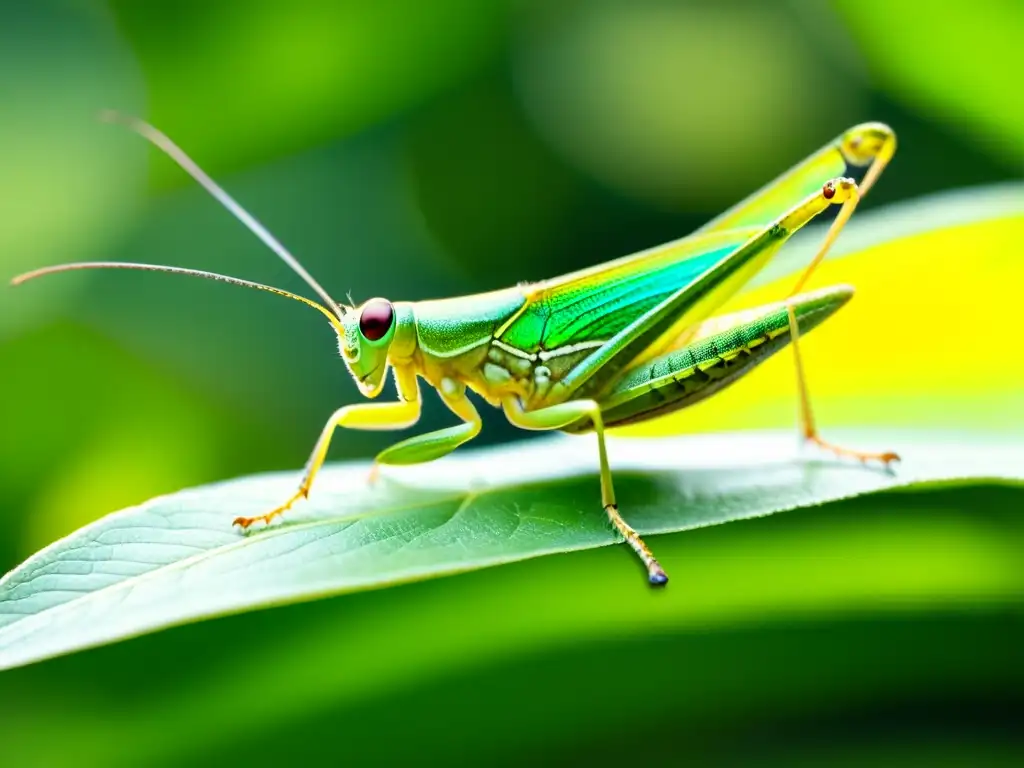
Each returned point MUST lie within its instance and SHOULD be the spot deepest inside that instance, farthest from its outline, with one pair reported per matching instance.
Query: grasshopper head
(368, 331)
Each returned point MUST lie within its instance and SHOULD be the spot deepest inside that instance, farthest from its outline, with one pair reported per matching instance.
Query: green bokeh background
(419, 149)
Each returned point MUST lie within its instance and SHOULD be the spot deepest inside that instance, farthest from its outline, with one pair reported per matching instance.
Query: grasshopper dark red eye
(376, 318)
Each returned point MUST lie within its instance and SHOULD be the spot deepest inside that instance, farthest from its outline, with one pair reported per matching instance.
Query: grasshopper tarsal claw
(886, 458)
(246, 522)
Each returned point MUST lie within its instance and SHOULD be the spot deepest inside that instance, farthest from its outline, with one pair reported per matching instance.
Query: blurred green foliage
(415, 150)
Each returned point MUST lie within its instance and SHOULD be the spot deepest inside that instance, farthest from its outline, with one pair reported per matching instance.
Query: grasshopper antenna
(175, 271)
(169, 148)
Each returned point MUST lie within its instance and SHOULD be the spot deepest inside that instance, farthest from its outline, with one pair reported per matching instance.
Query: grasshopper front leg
(367, 416)
(415, 450)
(563, 414)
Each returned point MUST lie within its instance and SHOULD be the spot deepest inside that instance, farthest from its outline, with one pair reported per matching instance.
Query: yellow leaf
(932, 337)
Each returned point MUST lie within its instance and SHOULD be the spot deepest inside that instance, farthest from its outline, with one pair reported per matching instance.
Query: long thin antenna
(168, 147)
(176, 271)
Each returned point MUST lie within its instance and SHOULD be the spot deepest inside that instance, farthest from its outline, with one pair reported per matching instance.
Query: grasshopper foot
(886, 457)
(656, 575)
(245, 522)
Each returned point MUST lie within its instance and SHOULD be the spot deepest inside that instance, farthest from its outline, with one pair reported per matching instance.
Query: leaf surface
(176, 559)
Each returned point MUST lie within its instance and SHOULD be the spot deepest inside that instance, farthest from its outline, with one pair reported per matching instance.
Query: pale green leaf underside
(177, 559)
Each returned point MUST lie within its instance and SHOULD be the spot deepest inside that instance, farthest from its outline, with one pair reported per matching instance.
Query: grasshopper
(614, 344)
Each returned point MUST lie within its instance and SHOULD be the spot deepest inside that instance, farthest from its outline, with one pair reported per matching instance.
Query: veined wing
(694, 302)
(592, 305)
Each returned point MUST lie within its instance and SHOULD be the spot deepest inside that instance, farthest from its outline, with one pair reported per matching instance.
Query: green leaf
(177, 559)
(841, 619)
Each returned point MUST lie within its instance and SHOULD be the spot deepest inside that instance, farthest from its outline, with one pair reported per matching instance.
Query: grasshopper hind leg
(808, 428)
(710, 357)
(850, 194)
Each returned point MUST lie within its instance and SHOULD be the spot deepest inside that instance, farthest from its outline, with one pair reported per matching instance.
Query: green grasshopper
(615, 344)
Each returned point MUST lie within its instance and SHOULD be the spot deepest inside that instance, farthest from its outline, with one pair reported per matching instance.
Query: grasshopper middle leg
(563, 414)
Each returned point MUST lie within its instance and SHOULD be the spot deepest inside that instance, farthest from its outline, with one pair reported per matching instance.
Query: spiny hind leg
(807, 424)
(562, 415)
(808, 427)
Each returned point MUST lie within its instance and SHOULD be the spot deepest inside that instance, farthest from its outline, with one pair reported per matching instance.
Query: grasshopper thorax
(367, 334)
